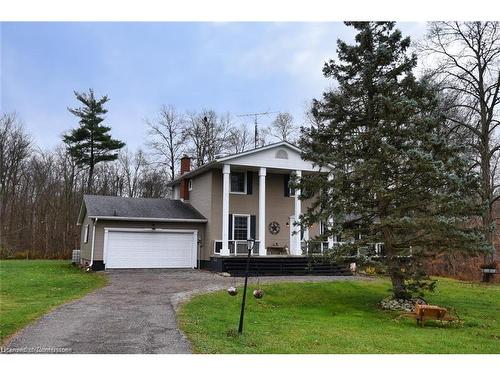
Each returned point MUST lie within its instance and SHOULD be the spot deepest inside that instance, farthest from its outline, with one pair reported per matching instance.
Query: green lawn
(30, 288)
(341, 317)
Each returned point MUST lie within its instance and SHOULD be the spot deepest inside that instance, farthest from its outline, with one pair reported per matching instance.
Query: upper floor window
(281, 154)
(238, 182)
(190, 184)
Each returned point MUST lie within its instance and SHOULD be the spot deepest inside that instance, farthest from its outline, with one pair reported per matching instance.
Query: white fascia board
(249, 152)
(81, 215)
(166, 220)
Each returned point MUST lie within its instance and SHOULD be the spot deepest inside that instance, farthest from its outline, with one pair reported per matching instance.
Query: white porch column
(330, 220)
(226, 170)
(262, 211)
(296, 248)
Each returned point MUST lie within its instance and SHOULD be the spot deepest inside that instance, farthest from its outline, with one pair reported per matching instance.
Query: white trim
(162, 219)
(248, 226)
(113, 229)
(244, 192)
(226, 173)
(291, 237)
(93, 243)
(262, 212)
(249, 152)
(190, 184)
(296, 227)
(86, 234)
(194, 252)
(81, 215)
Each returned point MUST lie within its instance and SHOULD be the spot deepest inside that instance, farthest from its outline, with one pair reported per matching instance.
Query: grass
(341, 317)
(30, 288)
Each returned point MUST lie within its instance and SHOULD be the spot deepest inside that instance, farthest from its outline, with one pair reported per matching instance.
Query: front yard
(30, 288)
(341, 317)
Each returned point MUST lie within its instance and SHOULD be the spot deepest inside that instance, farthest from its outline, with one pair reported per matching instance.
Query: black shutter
(230, 233)
(249, 182)
(286, 181)
(252, 226)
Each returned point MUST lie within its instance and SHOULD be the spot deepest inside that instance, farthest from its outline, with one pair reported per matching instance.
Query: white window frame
(190, 184)
(248, 226)
(244, 183)
(86, 234)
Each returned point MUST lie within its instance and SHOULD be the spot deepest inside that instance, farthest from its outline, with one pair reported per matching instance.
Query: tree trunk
(91, 177)
(399, 290)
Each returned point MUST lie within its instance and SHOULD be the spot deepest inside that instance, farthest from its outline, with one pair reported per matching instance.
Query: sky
(238, 68)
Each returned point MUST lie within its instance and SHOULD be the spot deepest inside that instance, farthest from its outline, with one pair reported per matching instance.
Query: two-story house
(214, 210)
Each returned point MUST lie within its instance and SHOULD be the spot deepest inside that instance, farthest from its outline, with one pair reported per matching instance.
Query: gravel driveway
(135, 313)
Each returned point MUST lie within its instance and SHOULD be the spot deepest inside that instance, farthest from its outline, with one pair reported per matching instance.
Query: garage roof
(146, 209)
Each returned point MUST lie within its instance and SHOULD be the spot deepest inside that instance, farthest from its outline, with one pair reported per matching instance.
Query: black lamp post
(250, 245)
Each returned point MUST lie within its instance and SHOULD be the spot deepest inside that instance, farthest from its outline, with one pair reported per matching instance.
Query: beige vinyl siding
(86, 248)
(200, 197)
(101, 224)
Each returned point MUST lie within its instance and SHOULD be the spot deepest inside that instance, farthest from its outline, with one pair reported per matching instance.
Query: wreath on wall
(274, 227)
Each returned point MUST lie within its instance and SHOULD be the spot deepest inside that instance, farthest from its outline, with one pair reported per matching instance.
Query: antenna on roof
(256, 116)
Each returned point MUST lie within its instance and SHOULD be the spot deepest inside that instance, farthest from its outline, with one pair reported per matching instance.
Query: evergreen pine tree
(91, 143)
(395, 178)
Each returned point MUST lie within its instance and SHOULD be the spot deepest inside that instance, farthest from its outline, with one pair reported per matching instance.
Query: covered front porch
(269, 214)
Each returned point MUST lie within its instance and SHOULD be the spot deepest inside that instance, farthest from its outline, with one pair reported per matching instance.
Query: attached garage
(159, 248)
(120, 232)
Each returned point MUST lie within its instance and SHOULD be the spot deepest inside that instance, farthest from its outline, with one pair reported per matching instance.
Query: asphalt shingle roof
(102, 205)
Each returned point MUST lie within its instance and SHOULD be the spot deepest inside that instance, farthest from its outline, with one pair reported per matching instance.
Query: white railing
(239, 247)
(236, 247)
(320, 247)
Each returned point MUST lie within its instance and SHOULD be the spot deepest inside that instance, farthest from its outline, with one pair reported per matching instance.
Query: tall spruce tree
(394, 178)
(91, 143)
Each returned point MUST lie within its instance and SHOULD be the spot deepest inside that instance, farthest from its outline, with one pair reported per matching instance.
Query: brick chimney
(185, 164)
(183, 187)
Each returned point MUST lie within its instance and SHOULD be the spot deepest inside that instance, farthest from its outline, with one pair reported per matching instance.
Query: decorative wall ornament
(274, 227)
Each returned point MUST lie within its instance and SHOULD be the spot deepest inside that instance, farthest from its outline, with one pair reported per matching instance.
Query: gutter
(166, 220)
(93, 243)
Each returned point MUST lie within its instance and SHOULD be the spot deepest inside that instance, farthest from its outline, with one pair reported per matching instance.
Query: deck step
(278, 266)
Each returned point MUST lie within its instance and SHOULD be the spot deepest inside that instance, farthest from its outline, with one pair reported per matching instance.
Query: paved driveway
(135, 313)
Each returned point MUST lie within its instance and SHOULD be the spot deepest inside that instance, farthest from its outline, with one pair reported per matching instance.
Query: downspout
(93, 242)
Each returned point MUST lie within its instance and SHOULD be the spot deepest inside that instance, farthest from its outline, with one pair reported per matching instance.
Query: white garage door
(151, 249)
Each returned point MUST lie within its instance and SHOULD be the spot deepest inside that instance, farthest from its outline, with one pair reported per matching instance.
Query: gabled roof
(259, 149)
(141, 209)
(228, 158)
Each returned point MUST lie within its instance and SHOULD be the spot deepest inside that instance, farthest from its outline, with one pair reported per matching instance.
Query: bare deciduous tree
(466, 59)
(132, 167)
(206, 134)
(15, 147)
(167, 137)
(239, 139)
(283, 128)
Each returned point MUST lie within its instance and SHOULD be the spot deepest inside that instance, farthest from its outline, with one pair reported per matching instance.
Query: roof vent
(281, 154)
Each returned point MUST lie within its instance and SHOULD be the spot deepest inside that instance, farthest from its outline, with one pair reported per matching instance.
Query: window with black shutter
(238, 182)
